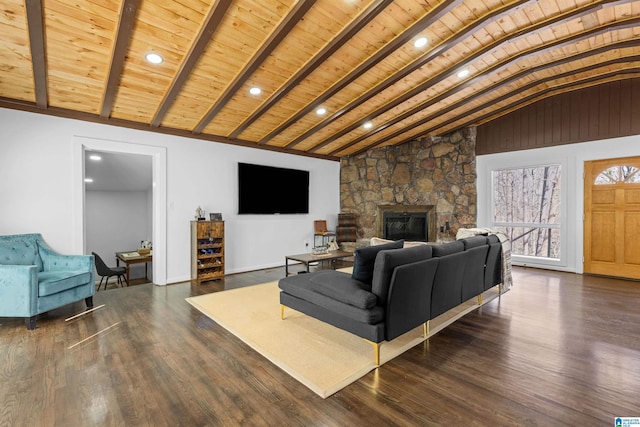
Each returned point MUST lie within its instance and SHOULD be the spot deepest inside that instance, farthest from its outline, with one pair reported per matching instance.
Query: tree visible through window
(526, 206)
(619, 174)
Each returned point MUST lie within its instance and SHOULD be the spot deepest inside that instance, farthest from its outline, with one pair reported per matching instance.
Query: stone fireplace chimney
(435, 176)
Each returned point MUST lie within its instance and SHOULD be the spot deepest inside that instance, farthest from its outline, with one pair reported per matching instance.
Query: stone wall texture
(435, 171)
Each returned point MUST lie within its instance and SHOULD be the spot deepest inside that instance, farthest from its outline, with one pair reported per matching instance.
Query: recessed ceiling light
(422, 41)
(95, 157)
(255, 90)
(368, 125)
(154, 58)
(321, 111)
(464, 73)
(88, 180)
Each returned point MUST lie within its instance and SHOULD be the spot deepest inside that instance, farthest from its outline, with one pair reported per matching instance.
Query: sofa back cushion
(364, 259)
(19, 252)
(493, 272)
(448, 248)
(474, 242)
(387, 261)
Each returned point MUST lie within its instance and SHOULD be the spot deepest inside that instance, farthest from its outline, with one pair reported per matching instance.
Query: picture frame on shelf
(215, 216)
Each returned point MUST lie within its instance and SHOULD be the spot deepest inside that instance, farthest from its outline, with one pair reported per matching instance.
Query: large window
(526, 207)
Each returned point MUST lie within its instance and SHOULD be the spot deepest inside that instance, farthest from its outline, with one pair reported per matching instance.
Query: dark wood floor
(558, 349)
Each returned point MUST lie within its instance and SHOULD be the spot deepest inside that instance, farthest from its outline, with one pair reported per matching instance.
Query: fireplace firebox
(406, 225)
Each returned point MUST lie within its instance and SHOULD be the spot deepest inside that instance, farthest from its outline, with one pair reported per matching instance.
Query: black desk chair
(109, 272)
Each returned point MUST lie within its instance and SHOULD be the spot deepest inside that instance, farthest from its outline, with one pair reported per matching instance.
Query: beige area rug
(322, 357)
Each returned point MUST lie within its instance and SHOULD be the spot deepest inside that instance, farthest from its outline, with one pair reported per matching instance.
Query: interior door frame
(159, 195)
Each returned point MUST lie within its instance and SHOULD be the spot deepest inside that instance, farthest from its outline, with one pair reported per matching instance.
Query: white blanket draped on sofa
(507, 280)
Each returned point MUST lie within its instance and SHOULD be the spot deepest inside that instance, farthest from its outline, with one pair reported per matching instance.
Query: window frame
(529, 260)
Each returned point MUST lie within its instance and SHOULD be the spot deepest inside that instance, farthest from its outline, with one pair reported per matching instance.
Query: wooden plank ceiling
(354, 58)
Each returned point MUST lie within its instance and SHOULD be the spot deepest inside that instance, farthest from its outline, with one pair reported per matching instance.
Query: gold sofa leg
(480, 299)
(282, 311)
(376, 351)
(425, 328)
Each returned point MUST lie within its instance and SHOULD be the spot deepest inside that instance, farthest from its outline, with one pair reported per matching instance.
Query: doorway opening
(158, 195)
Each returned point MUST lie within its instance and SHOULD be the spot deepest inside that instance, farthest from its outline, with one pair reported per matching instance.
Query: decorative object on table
(319, 250)
(145, 247)
(200, 214)
(215, 216)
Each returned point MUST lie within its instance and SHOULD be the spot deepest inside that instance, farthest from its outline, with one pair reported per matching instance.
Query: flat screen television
(272, 190)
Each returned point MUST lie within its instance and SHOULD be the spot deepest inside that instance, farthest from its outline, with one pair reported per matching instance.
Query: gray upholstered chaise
(393, 290)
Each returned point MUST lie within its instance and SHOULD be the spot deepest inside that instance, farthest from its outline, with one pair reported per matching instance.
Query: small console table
(133, 257)
(306, 259)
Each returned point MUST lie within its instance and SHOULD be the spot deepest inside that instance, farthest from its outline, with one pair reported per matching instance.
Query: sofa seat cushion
(302, 287)
(343, 288)
(52, 282)
(364, 260)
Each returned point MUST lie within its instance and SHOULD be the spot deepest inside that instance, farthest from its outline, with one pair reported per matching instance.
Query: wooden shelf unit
(207, 250)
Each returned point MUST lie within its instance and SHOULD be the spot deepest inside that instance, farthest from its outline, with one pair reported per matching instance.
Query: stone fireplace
(435, 176)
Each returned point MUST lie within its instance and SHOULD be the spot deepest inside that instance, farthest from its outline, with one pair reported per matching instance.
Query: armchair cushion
(52, 282)
(20, 252)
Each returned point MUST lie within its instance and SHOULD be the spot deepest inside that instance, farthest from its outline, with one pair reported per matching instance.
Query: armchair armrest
(54, 261)
(18, 290)
(409, 300)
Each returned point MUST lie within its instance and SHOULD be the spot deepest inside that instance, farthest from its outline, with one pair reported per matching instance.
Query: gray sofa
(393, 290)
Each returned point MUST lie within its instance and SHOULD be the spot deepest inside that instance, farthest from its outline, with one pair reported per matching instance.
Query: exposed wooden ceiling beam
(495, 14)
(477, 95)
(442, 9)
(494, 101)
(290, 21)
(15, 104)
(119, 53)
(209, 27)
(38, 53)
(511, 38)
(336, 43)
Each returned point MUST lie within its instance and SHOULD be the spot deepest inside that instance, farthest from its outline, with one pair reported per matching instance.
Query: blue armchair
(35, 279)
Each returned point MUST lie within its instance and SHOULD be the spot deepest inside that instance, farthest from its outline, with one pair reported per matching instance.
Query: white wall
(37, 170)
(572, 158)
(117, 221)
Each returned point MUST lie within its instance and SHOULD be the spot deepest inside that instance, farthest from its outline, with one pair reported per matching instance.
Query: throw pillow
(407, 244)
(364, 259)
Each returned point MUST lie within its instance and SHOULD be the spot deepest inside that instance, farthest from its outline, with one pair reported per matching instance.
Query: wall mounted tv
(272, 190)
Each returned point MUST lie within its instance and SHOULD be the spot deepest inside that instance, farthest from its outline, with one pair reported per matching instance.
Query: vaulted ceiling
(356, 59)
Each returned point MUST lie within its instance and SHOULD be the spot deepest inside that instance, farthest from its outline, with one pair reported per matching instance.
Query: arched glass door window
(620, 174)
